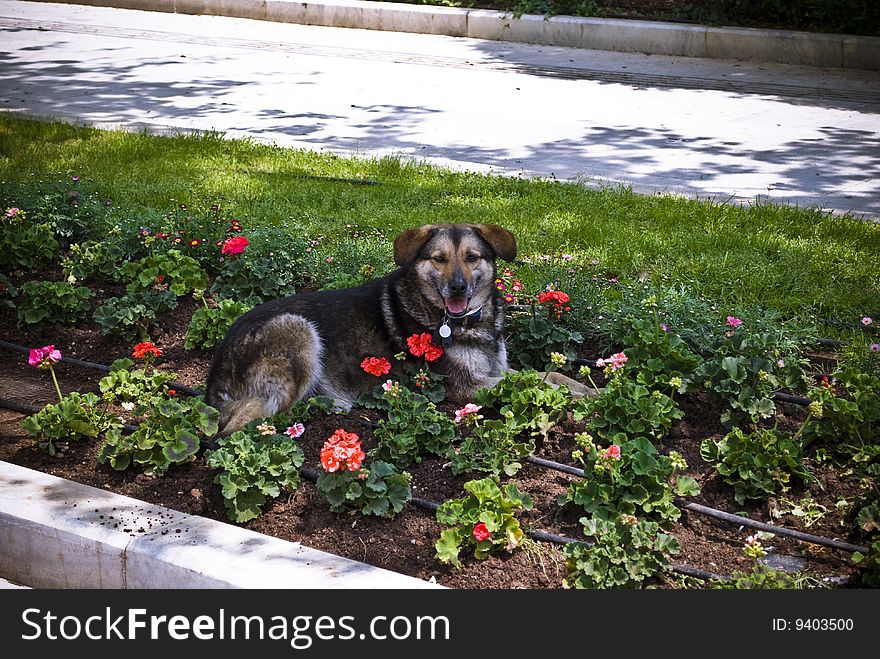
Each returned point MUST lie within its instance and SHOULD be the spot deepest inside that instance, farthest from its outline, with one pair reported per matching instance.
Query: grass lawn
(775, 258)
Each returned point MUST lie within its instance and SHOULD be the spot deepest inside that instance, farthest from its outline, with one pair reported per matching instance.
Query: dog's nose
(458, 286)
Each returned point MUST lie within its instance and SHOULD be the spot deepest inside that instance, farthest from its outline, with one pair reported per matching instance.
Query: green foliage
(254, 468)
(625, 554)
(534, 337)
(412, 428)
(379, 490)
(75, 416)
(136, 386)
(744, 374)
(209, 325)
(182, 274)
(168, 435)
(253, 280)
(761, 577)
(489, 504)
(535, 406)
(7, 292)
(657, 356)
(93, 259)
(640, 482)
(343, 279)
(132, 315)
(493, 447)
(840, 16)
(25, 245)
(849, 423)
(759, 464)
(53, 302)
(625, 406)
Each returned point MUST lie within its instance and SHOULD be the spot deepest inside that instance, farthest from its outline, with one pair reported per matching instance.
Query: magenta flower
(44, 357)
(874, 347)
(664, 327)
(733, 321)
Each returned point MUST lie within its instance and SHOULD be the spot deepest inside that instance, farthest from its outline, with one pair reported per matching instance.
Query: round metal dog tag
(445, 331)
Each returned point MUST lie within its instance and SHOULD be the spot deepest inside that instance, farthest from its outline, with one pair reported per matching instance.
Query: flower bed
(408, 482)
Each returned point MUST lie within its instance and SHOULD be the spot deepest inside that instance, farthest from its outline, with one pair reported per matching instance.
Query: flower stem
(55, 380)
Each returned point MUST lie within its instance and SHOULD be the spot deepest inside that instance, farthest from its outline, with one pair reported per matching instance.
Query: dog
(313, 343)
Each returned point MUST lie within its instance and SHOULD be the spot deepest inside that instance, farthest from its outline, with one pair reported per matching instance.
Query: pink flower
(481, 532)
(466, 411)
(235, 245)
(296, 430)
(391, 388)
(664, 327)
(616, 361)
(867, 320)
(43, 357)
(612, 452)
(874, 347)
(733, 321)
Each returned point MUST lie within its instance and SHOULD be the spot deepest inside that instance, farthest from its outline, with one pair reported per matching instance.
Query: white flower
(128, 407)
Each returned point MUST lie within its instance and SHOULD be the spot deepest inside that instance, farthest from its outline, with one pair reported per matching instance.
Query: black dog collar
(442, 336)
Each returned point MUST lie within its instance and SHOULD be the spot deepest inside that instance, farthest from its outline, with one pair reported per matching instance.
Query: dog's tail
(263, 370)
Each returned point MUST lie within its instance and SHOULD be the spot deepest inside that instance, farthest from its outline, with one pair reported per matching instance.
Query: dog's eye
(438, 259)
(473, 258)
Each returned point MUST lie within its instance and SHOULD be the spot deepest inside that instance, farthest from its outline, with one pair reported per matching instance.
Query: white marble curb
(55, 533)
(633, 36)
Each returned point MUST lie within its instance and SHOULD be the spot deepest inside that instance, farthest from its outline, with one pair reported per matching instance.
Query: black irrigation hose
(762, 526)
(177, 386)
(720, 514)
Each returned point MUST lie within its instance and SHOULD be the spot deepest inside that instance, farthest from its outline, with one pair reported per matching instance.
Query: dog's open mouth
(456, 306)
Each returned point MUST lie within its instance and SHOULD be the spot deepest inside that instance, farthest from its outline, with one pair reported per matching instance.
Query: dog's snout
(457, 285)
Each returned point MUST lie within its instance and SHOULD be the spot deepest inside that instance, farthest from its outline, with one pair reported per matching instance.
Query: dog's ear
(408, 244)
(500, 240)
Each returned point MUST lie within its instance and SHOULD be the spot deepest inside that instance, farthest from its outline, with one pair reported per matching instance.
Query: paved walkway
(709, 128)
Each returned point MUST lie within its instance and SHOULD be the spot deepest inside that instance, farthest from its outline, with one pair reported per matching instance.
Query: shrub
(53, 302)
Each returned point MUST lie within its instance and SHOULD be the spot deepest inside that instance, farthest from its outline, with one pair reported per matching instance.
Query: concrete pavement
(723, 129)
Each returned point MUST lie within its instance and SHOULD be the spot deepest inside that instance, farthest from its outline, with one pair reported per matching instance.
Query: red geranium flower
(420, 345)
(145, 350)
(377, 366)
(342, 451)
(481, 532)
(235, 245)
(555, 300)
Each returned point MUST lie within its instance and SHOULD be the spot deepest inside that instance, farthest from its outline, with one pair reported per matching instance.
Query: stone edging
(655, 38)
(55, 533)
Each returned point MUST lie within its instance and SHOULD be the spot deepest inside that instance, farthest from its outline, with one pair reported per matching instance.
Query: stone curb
(55, 533)
(632, 36)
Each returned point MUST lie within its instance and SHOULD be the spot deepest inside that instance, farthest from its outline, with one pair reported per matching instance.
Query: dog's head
(456, 262)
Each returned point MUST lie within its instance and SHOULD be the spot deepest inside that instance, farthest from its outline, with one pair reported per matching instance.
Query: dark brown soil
(406, 543)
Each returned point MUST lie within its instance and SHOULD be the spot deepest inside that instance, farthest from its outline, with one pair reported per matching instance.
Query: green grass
(794, 261)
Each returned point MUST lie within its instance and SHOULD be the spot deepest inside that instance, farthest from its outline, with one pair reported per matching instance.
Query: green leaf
(448, 547)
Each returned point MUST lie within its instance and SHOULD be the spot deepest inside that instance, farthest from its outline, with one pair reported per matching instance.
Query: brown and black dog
(313, 343)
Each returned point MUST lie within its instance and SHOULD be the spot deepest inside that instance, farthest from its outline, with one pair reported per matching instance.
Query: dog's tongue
(456, 305)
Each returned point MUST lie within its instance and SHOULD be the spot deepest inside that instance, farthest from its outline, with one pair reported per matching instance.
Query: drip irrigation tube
(177, 386)
(762, 526)
(720, 514)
